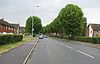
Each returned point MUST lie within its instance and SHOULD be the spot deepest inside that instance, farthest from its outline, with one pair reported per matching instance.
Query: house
(16, 28)
(93, 30)
(22, 30)
(7, 28)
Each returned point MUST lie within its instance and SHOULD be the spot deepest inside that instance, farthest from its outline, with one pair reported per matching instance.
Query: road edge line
(29, 54)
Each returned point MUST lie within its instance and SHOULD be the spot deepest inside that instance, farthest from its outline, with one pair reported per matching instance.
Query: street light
(32, 22)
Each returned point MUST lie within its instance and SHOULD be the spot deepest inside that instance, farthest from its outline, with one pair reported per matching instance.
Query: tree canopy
(37, 26)
(70, 21)
(72, 17)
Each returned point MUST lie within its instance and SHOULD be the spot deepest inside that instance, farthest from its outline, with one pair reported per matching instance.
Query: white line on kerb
(85, 54)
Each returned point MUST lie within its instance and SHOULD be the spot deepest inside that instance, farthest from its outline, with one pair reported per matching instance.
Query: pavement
(53, 51)
(18, 54)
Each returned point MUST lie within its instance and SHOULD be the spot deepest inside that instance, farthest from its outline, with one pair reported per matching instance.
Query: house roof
(15, 25)
(95, 27)
(8, 24)
(4, 22)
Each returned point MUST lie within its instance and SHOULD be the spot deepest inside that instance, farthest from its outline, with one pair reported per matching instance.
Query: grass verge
(6, 47)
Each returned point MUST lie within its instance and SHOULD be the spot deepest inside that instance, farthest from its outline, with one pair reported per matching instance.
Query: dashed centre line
(68, 46)
(85, 54)
(65, 45)
(77, 50)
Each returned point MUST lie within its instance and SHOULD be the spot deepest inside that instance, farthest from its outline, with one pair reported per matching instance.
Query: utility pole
(33, 21)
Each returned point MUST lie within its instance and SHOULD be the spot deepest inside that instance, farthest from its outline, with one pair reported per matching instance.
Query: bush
(95, 40)
(6, 39)
(34, 35)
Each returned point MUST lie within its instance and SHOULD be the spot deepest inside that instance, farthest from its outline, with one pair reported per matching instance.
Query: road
(17, 55)
(53, 51)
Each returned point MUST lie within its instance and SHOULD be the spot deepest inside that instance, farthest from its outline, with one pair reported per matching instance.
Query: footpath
(18, 54)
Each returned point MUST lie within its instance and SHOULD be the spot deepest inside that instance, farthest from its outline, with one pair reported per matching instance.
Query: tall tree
(72, 18)
(37, 26)
(85, 26)
(44, 30)
(57, 26)
(28, 27)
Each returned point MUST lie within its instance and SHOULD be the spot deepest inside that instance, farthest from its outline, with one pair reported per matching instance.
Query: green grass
(6, 47)
(27, 39)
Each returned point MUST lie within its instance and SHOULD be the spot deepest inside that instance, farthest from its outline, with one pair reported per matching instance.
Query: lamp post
(33, 21)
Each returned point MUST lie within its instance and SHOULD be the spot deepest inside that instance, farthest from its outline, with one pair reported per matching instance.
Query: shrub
(34, 35)
(95, 40)
(6, 39)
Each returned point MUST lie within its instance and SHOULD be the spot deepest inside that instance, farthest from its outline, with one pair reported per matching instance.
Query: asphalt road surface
(53, 51)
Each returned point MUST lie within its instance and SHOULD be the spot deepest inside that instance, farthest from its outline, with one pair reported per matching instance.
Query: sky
(17, 11)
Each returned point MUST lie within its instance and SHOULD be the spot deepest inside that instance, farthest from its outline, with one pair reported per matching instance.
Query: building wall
(90, 31)
(22, 30)
(16, 30)
(96, 33)
(6, 29)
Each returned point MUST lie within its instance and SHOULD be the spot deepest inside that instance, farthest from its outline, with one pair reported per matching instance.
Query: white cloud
(92, 14)
(17, 11)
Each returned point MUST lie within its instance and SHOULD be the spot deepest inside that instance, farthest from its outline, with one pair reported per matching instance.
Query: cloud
(92, 14)
(17, 11)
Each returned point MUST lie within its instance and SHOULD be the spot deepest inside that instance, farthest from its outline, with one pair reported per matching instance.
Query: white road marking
(61, 43)
(65, 45)
(85, 54)
(68, 46)
(76, 50)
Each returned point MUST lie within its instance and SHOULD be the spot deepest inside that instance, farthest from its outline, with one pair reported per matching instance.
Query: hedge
(95, 40)
(6, 39)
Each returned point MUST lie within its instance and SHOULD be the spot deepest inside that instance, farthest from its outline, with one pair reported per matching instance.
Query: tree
(28, 28)
(72, 20)
(43, 30)
(57, 26)
(37, 26)
(85, 26)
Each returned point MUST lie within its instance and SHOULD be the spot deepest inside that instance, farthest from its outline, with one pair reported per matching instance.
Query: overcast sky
(17, 11)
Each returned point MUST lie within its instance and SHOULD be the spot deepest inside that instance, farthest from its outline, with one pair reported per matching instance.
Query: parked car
(41, 37)
(45, 36)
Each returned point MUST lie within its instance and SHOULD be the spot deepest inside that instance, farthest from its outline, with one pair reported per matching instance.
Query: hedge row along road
(6, 39)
